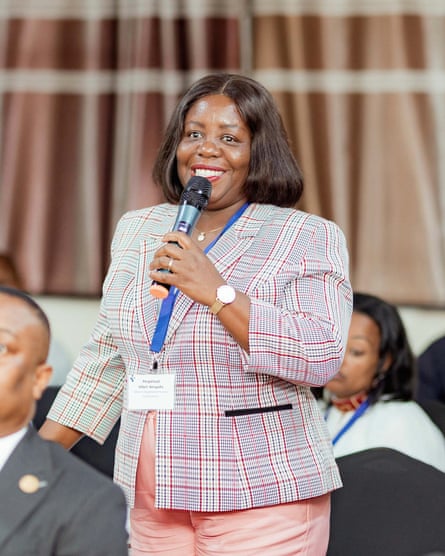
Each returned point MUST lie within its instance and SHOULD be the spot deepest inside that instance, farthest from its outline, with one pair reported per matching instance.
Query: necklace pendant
(201, 236)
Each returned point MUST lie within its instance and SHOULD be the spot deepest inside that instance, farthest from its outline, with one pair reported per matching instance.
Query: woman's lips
(208, 173)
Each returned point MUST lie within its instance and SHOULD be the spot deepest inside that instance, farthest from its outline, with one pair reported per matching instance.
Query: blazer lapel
(148, 306)
(25, 480)
(236, 241)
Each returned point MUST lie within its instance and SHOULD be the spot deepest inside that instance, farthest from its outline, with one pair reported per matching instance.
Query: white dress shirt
(8, 444)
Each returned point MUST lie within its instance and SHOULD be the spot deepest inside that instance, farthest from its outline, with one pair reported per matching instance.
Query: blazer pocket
(253, 410)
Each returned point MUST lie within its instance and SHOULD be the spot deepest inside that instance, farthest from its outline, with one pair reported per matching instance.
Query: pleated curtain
(87, 86)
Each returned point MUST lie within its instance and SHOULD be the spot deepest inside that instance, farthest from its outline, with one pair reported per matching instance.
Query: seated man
(58, 356)
(52, 503)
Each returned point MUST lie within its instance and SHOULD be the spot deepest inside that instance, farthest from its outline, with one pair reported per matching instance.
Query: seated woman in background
(369, 403)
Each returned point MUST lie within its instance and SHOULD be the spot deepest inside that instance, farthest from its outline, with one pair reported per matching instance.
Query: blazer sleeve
(303, 340)
(90, 401)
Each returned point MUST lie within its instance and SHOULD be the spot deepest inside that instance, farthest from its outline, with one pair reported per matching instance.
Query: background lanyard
(357, 414)
(166, 310)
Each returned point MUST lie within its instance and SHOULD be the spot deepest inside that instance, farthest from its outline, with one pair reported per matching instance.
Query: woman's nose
(208, 147)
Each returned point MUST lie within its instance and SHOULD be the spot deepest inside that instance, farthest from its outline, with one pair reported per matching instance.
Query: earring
(378, 378)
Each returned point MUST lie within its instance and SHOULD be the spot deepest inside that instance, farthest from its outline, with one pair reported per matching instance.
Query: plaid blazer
(241, 434)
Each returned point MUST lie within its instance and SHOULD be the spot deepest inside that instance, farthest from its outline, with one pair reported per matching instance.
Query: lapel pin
(30, 483)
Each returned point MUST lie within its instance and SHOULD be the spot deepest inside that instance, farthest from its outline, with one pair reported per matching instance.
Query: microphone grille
(197, 192)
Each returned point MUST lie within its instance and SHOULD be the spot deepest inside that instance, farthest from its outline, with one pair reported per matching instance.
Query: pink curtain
(362, 88)
(86, 89)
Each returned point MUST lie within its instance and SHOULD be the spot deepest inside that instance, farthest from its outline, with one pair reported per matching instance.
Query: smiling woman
(246, 329)
(216, 144)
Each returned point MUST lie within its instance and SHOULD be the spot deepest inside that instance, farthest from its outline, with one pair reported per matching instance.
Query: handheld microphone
(193, 201)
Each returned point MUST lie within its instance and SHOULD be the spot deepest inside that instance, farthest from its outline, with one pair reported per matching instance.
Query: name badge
(151, 391)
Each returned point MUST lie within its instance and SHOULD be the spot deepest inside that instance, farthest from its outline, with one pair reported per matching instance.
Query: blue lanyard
(166, 310)
(357, 414)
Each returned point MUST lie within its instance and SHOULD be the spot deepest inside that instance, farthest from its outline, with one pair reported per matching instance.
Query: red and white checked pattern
(294, 267)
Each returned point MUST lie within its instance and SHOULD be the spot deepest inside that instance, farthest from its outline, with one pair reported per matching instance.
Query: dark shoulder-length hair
(397, 381)
(274, 174)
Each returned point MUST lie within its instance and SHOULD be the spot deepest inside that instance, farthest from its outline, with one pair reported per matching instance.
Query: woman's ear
(382, 370)
(42, 377)
(387, 361)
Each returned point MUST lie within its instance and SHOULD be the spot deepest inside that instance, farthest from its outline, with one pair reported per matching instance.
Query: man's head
(24, 345)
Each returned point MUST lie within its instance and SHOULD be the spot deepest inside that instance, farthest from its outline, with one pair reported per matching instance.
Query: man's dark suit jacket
(62, 507)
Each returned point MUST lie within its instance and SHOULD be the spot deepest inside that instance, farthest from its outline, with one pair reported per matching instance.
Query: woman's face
(216, 144)
(361, 360)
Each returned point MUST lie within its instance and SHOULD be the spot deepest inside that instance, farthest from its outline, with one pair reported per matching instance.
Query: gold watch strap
(217, 306)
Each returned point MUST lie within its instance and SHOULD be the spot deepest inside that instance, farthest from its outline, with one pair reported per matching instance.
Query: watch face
(226, 294)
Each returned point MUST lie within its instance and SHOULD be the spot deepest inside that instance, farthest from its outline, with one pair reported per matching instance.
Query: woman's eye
(356, 352)
(194, 134)
(228, 139)
(3, 349)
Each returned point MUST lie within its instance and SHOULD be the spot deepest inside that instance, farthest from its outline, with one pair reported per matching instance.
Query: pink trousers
(283, 530)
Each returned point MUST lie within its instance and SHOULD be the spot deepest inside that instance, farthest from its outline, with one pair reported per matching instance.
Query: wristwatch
(225, 294)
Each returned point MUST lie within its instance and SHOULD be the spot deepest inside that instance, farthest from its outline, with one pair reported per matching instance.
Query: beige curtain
(86, 88)
(362, 88)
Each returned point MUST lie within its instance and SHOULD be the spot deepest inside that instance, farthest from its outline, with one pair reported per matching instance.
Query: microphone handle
(185, 222)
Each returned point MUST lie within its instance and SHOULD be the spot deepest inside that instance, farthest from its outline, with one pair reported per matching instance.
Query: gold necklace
(202, 235)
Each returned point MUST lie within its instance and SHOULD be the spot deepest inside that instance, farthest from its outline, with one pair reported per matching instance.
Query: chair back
(390, 505)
